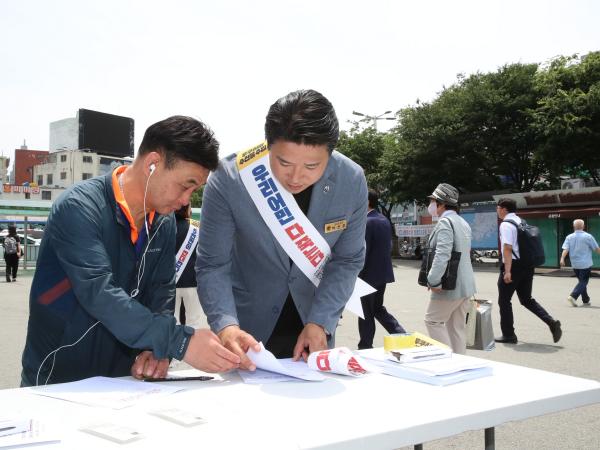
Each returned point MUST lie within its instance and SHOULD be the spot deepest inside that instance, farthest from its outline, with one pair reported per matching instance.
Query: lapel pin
(326, 188)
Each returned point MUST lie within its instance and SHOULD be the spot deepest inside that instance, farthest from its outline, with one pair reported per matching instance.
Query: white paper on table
(37, 434)
(432, 367)
(260, 376)
(445, 366)
(265, 360)
(361, 289)
(107, 392)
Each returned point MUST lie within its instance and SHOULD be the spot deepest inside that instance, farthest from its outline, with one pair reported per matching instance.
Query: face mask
(432, 209)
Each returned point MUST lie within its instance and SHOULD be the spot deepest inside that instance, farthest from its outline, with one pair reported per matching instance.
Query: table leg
(490, 439)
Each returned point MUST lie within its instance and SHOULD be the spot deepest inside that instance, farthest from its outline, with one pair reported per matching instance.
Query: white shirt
(508, 235)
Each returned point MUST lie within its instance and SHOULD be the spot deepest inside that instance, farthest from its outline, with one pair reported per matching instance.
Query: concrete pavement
(577, 354)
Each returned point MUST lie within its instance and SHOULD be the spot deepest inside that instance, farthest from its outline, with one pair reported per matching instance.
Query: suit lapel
(322, 195)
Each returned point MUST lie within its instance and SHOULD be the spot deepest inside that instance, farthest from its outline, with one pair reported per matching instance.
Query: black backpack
(531, 250)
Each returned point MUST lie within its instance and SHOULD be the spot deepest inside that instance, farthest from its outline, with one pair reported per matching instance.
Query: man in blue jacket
(378, 271)
(102, 296)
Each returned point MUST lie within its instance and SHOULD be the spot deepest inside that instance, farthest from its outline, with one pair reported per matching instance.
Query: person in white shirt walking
(515, 276)
(579, 245)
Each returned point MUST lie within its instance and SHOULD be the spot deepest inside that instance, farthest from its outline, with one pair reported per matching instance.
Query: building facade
(64, 168)
(25, 161)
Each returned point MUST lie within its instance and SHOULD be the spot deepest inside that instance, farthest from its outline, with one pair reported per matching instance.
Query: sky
(225, 62)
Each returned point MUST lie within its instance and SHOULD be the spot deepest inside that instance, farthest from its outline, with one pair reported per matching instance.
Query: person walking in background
(12, 252)
(515, 276)
(186, 295)
(446, 314)
(377, 271)
(579, 245)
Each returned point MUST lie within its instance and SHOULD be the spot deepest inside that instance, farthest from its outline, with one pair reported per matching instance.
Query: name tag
(336, 226)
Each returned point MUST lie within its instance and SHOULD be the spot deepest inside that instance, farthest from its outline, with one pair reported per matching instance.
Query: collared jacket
(444, 239)
(378, 268)
(87, 268)
(244, 275)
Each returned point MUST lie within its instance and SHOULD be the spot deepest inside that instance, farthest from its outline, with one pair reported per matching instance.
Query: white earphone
(152, 168)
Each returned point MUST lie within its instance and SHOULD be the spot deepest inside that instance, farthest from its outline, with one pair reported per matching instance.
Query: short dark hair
(448, 206)
(303, 117)
(373, 199)
(12, 230)
(509, 204)
(182, 138)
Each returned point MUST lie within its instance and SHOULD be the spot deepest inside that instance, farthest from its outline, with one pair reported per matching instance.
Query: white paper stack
(439, 372)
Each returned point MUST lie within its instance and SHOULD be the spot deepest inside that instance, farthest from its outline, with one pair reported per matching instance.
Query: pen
(199, 378)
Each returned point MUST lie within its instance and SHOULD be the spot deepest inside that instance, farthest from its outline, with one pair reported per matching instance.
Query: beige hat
(445, 193)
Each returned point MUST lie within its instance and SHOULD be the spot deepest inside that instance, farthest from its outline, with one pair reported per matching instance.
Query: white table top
(376, 411)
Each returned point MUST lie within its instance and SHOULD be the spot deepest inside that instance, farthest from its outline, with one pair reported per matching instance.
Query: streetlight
(374, 118)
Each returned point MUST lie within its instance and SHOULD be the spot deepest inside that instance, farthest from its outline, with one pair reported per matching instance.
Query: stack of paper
(440, 372)
(35, 434)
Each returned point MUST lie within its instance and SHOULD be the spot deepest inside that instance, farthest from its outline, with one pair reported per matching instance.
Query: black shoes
(507, 339)
(556, 330)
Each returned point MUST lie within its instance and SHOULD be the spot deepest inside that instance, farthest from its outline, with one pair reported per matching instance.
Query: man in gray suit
(447, 311)
(248, 285)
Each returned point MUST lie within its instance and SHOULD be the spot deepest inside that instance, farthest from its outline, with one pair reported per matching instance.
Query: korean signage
(413, 230)
(7, 188)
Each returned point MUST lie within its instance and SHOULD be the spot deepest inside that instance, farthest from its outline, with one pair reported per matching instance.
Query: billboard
(105, 134)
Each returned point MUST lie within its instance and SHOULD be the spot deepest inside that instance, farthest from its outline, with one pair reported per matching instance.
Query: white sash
(290, 226)
(187, 248)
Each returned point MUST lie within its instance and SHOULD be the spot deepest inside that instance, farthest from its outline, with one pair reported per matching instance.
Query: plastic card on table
(113, 432)
(179, 416)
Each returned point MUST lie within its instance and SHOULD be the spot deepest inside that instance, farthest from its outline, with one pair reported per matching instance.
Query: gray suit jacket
(244, 275)
(442, 239)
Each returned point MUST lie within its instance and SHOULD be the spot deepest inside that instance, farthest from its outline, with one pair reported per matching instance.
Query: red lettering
(294, 231)
(311, 252)
(304, 242)
(323, 361)
(316, 259)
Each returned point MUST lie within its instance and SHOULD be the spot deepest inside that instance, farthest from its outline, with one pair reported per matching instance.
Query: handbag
(483, 338)
(451, 272)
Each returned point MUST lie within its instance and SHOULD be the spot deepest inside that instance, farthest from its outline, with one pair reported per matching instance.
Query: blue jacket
(378, 268)
(86, 269)
(244, 275)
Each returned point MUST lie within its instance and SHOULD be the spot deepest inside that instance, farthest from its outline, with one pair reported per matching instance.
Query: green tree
(196, 199)
(476, 135)
(365, 147)
(568, 116)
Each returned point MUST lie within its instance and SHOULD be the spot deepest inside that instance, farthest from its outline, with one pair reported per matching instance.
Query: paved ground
(577, 354)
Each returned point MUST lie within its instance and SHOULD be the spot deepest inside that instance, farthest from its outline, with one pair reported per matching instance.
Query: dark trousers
(12, 264)
(373, 308)
(583, 275)
(287, 329)
(522, 282)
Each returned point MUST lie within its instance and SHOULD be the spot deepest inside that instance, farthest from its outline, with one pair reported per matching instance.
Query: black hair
(373, 199)
(303, 117)
(182, 138)
(509, 204)
(12, 230)
(448, 207)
